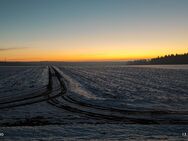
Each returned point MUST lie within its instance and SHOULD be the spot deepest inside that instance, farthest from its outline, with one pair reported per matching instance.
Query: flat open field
(94, 101)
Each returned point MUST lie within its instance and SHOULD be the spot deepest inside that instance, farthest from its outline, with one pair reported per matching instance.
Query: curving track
(56, 94)
(38, 95)
(95, 111)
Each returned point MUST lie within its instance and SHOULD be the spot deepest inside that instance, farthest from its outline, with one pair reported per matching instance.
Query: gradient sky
(92, 30)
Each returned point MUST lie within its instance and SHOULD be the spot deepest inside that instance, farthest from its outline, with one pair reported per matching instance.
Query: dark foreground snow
(112, 87)
(95, 132)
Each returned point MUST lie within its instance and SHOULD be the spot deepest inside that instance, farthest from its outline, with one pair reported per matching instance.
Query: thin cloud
(23, 59)
(12, 48)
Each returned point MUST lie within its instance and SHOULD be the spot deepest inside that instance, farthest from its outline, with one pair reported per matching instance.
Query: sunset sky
(92, 30)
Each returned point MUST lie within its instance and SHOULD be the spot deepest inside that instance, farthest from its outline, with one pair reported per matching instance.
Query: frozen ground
(133, 87)
(14, 80)
(96, 104)
(95, 132)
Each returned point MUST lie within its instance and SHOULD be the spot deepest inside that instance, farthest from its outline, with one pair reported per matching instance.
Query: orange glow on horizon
(92, 31)
(82, 57)
(95, 52)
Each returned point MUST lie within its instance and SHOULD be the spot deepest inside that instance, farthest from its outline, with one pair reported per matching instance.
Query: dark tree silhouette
(167, 59)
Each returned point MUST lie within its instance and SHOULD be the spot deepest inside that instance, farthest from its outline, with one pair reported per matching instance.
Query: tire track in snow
(95, 111)
(31, 98)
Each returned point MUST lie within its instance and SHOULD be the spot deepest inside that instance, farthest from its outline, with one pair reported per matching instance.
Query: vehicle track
(21, 96)
(31, 98)
(131, 111)
(56, 95)
(95, 111)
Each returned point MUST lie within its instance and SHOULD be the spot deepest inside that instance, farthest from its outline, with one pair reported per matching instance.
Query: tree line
(167, 59)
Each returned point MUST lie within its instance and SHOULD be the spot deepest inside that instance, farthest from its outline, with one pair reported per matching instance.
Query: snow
(95, 132)
(108, 86)
(149, 88)
(16, 80)
(75, 87)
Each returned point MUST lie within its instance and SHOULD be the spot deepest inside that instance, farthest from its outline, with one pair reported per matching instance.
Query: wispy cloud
(24, 59)
(12, 48)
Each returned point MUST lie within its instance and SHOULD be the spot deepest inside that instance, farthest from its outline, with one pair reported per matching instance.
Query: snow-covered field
(102, 101)
(14, 80)
(134, 87)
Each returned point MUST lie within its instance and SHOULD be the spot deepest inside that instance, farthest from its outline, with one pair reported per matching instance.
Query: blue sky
(93, 26)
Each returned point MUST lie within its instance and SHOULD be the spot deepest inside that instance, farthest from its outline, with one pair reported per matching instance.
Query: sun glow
(92, 31)
(99, 53)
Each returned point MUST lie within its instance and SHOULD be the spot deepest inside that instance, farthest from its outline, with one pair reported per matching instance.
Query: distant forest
(167, 59)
